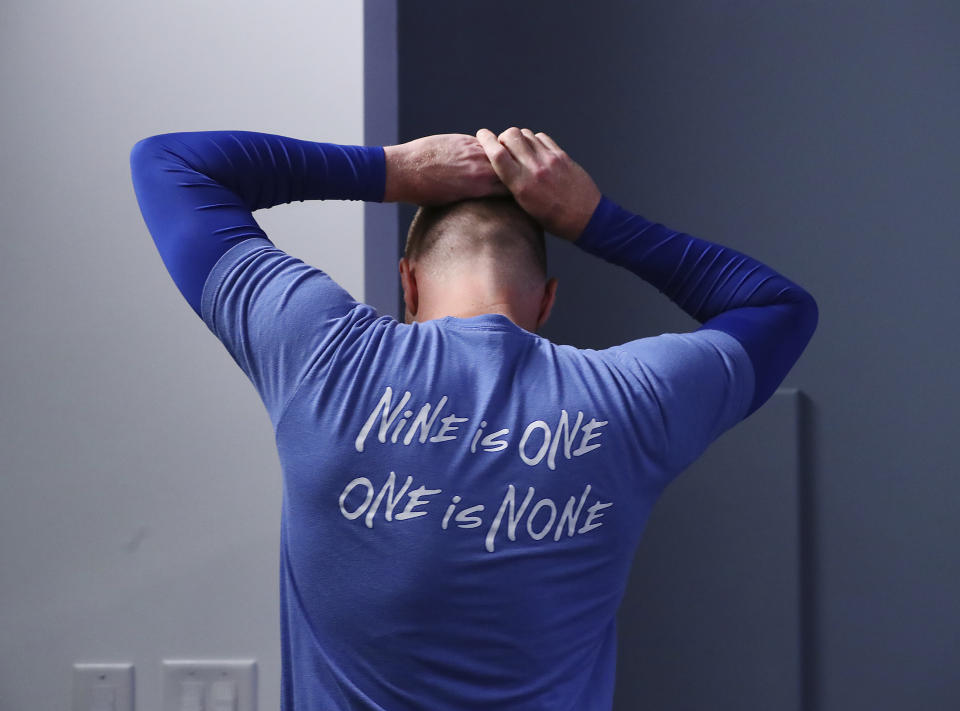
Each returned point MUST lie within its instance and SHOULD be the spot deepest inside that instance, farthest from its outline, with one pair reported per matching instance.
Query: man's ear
(408, 280)
(549, 297)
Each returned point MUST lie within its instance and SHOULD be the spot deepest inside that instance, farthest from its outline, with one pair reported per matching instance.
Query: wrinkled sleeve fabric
(755, 324)
(197, 190)
(275, 314)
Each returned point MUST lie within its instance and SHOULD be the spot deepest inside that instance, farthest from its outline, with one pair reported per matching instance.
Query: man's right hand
(438, 169)
(544, 180)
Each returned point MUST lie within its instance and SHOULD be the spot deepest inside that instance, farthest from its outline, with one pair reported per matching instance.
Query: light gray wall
(820, 138)
(139, 485)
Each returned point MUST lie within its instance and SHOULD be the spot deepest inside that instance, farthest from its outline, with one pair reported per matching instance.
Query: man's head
(482, 255)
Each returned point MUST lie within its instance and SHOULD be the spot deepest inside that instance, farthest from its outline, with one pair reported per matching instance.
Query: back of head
(492, 232)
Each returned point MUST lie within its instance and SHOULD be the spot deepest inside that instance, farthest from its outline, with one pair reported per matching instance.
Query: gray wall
(139, 484)
(820, 138)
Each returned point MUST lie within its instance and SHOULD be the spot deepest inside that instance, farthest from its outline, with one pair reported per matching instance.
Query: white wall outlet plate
(102, 687)
(209, 685)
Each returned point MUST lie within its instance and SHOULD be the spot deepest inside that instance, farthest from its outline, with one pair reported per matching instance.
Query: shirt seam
(286, 406)
(488, 328)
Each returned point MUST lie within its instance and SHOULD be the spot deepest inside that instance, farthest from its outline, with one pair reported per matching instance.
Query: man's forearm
(771, 316)
(265, 169)
(703, 278)
(197, 190)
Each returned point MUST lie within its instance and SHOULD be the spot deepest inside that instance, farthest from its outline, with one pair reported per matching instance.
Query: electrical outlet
(102, 687)
(209, 685)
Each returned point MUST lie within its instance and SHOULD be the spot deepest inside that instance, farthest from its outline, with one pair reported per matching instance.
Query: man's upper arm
(278, 317)
(698, 385)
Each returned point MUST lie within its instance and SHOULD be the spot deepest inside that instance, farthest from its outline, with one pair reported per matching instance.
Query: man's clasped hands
(543, 179)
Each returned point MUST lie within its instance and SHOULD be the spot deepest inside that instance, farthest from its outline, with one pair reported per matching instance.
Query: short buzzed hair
(494, 225)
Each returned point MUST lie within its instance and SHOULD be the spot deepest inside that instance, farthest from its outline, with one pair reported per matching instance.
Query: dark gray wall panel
(818, 137)
(381, 281)
(712, 614)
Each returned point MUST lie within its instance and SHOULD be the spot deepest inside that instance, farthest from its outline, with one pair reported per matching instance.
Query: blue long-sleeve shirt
(462, 498)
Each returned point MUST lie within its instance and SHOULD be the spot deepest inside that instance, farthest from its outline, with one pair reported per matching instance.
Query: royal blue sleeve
(197, 190)
(276, 315)
(759, 310)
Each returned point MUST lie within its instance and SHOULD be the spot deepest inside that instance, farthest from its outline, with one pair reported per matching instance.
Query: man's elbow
(809, 315)
(804, 312)
(143, 153)
(147, 151)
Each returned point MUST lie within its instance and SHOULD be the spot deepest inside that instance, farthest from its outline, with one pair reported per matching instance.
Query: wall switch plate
(102, 687)
(209, 685)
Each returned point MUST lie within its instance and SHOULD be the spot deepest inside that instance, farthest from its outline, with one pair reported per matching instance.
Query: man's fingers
(518, 144)
(548, 142)
(500, 158)
(540, 147)
(517, 152)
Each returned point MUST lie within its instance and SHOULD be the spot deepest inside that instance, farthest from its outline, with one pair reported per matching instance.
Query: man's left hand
(438, 169)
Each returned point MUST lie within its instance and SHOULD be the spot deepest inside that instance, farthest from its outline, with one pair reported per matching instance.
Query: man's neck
(472, 292)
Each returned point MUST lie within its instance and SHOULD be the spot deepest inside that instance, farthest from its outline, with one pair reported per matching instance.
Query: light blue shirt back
(462, 498)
